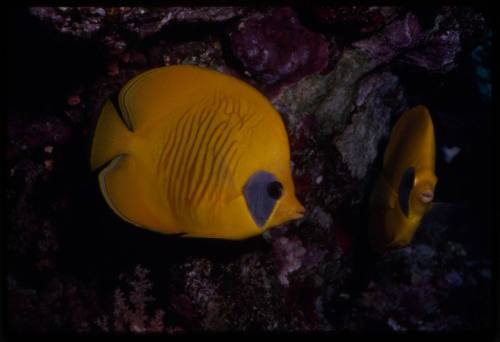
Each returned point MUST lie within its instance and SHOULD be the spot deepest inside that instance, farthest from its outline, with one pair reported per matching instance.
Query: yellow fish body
(193, 151)
(405, 189)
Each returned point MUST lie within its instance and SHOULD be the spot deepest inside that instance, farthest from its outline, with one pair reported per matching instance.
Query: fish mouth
(298, 213)
(289, 210)
(426, 196)
(293, 215)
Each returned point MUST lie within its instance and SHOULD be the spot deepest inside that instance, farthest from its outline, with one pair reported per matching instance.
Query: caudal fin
(111, 137)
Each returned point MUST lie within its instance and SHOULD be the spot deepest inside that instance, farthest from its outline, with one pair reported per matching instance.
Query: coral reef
(340, 76)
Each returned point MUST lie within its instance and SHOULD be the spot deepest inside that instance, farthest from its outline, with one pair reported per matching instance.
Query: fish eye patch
(261, 193)
(405, 187)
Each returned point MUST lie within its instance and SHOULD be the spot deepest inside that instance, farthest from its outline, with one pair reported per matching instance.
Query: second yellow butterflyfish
(404, 191)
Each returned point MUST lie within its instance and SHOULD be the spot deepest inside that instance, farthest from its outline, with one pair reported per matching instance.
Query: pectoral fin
(124, 192)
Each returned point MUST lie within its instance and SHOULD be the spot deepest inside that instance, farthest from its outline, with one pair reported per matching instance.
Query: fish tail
(111, 137)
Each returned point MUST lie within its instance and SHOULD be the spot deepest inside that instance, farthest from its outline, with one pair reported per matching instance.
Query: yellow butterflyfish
(404, 191)
(188, 150)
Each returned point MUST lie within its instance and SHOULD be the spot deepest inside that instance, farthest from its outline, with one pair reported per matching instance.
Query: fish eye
(275, 189)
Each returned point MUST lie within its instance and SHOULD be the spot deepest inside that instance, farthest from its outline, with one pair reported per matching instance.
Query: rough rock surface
(379, 98)
(334, 92)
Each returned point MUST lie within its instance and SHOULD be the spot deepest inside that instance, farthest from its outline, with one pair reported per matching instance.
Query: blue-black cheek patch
(405, 187)
(259, 203)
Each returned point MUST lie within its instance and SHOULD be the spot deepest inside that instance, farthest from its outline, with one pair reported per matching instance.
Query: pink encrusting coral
(288, 253)
(130, 311)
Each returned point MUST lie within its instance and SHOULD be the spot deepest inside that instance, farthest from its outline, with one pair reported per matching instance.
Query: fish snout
(296, 210)
(288, 209)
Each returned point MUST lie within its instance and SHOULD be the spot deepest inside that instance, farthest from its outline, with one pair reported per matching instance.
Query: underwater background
(71, 265)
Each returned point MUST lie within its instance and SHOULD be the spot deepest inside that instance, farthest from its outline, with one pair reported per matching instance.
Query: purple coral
(394, 39)
(434, 50)
(439, 54)
(275, 47)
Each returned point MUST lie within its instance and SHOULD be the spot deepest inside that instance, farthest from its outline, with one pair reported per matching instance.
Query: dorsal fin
(160, 91)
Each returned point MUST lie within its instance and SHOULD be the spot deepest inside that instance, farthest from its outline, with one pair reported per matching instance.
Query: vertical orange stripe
(183, 157)
(207, 128)
(173, 165)
(207, 182)
(202, 117)
(190, 189)
(214, 156)
(163, 153)
(168, 160)
(223, 181)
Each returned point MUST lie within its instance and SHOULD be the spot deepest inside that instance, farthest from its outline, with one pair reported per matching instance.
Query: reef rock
(88, 21)
(452, 30)
(145, 21)
(379, 97)
(117, 24)
(395, 38)
(355, 19)
(275, 47)
(331, 96)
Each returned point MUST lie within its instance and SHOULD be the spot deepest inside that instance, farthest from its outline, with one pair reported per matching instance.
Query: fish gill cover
(340, 77)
